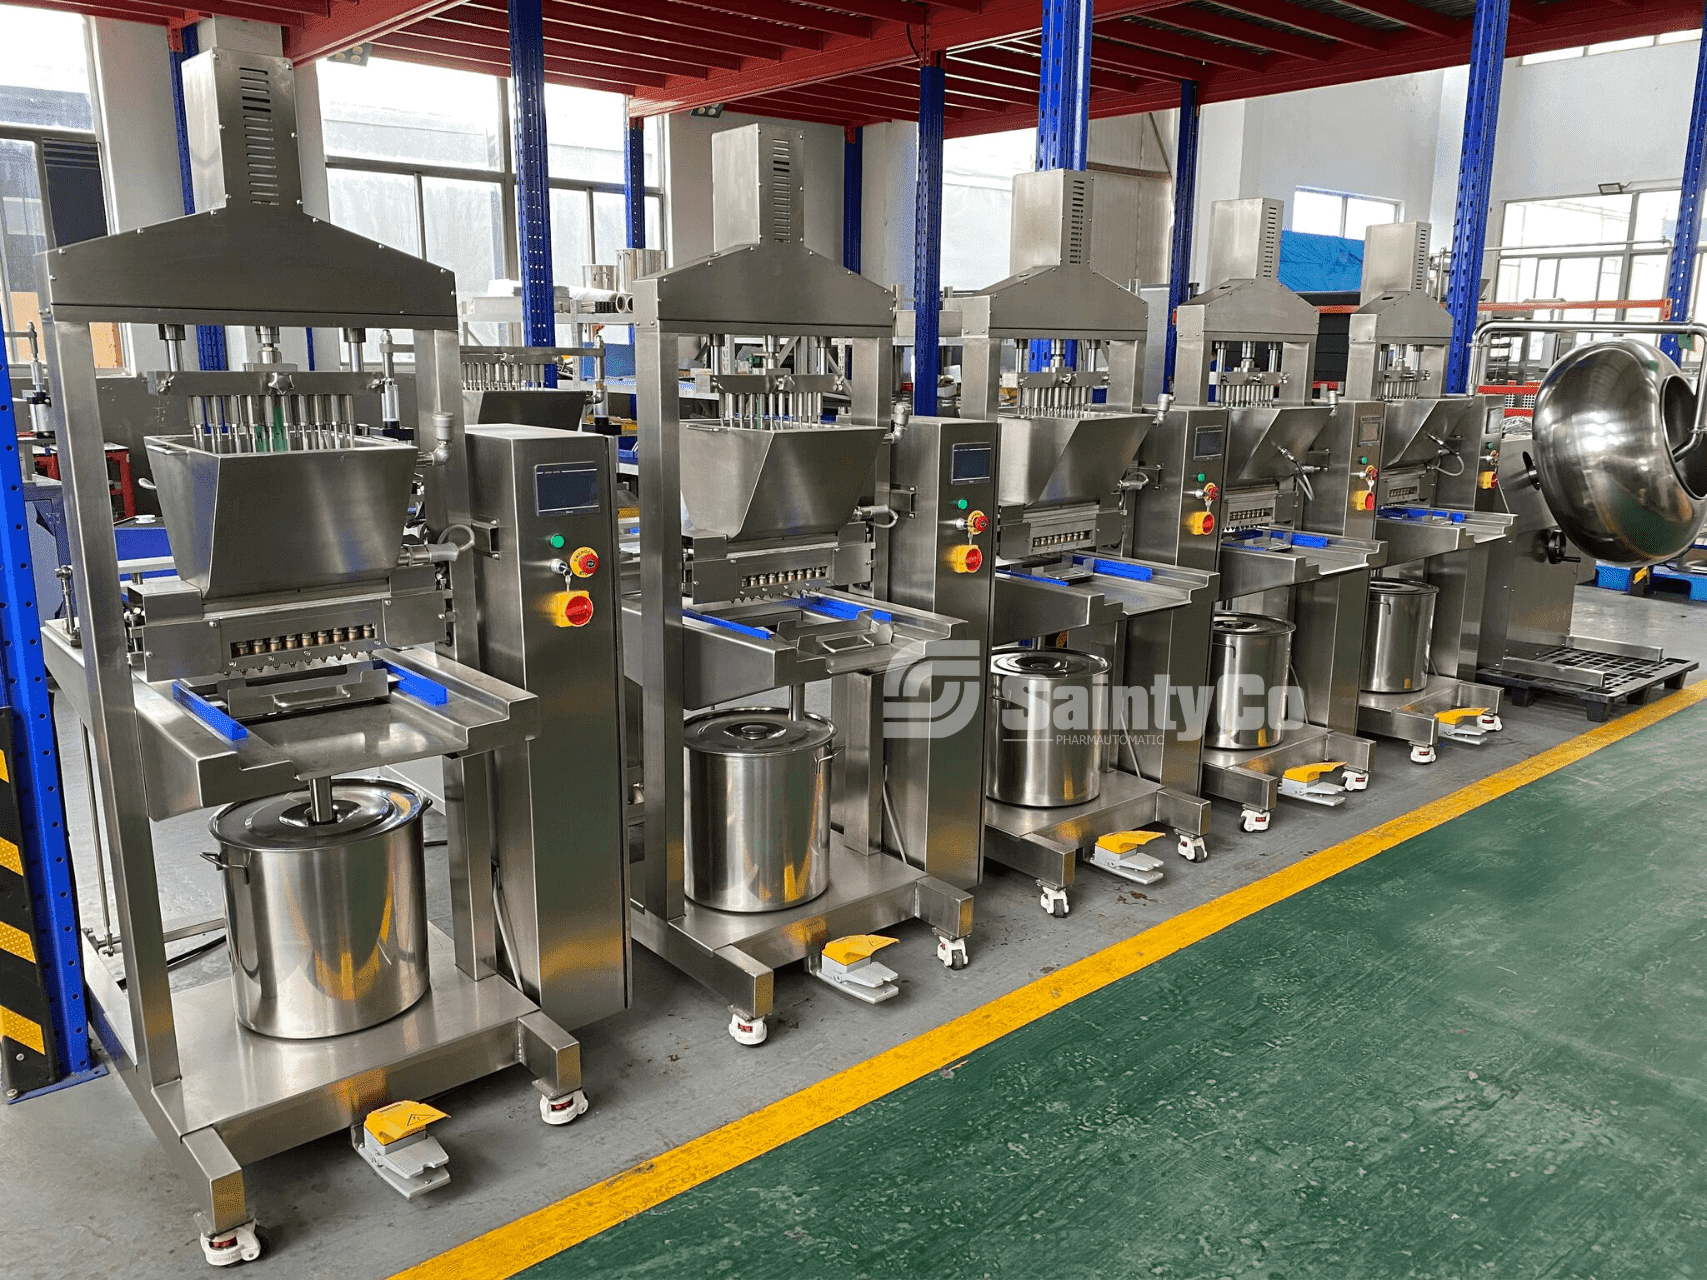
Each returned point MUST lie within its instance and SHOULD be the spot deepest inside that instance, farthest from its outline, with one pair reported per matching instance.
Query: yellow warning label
(5, 769)
(855, 947)
(400, 1119)
(17, 942)
(14, 1026)
(9, 857)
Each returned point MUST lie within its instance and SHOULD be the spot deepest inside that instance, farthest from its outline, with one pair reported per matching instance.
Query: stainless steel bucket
(327, 922)
(758, 808)
(1038, 752)
(1244, 645)
(1396, 633)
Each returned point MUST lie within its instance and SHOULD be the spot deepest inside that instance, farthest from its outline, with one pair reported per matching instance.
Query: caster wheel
(228, 1248)
(1356, 780)
(1053, 901)
(563, 1108)
(747, 1031)
(1254, 820)
(952, 952)
(1491, 724)
(1192, 849)
(1422, 755)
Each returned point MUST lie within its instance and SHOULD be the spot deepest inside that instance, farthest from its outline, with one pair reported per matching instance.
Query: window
(977, 204)
(1609, 46)
(418, 158)
(45, 80)
(1335, 213)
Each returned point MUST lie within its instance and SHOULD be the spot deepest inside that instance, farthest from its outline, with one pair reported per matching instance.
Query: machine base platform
(1410, 716)
(1253, 778)
(735, 954)
(1046, 843)
(1599, 674)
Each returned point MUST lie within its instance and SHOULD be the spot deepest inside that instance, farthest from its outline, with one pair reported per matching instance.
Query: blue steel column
(210, 338)
(927, 243)
(1185, 214)
(634, 184)
(853, 196)
(533, 177)
(1680, 283)
(1063, 109)
(1475, 174)
(45, 855)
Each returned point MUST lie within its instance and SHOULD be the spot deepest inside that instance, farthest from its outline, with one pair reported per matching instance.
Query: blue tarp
(1320, 264)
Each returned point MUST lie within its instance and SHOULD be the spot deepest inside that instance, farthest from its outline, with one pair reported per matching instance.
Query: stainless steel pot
(758, 808)
(1244, 646)
(1047, 730)
(327, 922)
(1396, 633)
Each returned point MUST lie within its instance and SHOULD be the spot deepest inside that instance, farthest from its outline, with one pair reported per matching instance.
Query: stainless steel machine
(1612, 466)
(1065, 588)
(1425, 612)
(778, 550)
(326, 621)
(1297, 529)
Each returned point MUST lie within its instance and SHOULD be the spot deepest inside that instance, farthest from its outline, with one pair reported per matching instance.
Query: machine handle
(223, 862)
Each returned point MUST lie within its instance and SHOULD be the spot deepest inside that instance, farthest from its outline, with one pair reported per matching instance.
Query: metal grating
(260, 149)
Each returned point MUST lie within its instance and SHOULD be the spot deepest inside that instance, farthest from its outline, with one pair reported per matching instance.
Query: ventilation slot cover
(260, 148)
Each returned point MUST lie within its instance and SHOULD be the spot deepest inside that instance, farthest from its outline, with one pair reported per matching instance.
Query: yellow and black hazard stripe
(26, 1039)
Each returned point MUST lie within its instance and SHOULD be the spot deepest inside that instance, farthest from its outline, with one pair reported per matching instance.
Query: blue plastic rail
(740, 628)
(207, 713)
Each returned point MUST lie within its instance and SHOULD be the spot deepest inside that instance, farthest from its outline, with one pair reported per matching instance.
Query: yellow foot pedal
(1122, 853)
(1468, 724)
(847, 965)
(395, 1142)
(1304, 782)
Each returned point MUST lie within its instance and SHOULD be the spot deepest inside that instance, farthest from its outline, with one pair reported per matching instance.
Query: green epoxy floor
(1481, 1053)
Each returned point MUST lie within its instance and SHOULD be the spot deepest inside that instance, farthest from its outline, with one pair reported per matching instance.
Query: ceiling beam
(500, 58)
(903, 11)
(351, 24)
(614, 52)
(798, 15)
(1181, 45)
(786, 109)
(738, 35)
(1315, 22)
(1251, 33)
(1414, 16)
(389, 46)
(1112, 53)
(647, 37)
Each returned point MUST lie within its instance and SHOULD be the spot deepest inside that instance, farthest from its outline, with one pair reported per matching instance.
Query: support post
(1475, 174)
(1063, 110)
(533, 178)
(853, 196)
(1185, 213)
(58, 1045)
(210, 338)
(927, 242)
(634, 184)
(1680, 281)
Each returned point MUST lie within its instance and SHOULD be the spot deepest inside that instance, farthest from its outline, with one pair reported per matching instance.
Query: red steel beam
(389, 46)
(996, 64)
(1181, 45)
(498, 63)
(650, 39)
(786, 109)
(1113, 53)
(1315, 22)
(738, 35)
(1413, 15)
(349, 24)
(1250, 33)
(280, 13)
(614, 52)
(903, 11)
(799, 15)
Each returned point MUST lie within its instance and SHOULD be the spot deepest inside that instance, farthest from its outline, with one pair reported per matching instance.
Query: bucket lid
(755, 731)
(1250, 624)
(365, 809)
(1047, 664)
(1402, 587)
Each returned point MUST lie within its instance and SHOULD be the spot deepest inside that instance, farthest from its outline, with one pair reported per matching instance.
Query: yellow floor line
(504, 1251)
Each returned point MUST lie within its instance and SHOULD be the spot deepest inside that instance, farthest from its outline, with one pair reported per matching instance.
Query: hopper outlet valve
(847, 965)
(396, 1145)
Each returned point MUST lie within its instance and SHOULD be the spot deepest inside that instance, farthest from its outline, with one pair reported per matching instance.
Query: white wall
(687, 170)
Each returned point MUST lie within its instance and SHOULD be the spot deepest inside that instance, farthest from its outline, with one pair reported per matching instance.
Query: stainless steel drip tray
(1414, 533)
(1031, 601)
(264, 1095)
(188, 765)
(1273, 557)
(739, 649)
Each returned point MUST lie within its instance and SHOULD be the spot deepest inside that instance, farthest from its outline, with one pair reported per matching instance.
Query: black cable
(184, 957)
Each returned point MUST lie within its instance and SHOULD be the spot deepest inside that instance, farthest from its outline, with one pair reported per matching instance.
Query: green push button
(1363, 462)
(557, 541)
(1202, 476)
(961, 504)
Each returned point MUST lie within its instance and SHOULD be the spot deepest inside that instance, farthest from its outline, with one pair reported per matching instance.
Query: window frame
(1345, 198)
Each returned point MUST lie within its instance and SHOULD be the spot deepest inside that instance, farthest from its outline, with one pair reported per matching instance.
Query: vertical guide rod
(1475, 174)
(1185, 212)
(1680, 280)
(927, 242)
(533, 181)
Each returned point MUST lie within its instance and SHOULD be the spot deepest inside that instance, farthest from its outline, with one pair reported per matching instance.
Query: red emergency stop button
(1200, 522)
(578, 609)
(584, 563)
(966, 559)
(1363, 501)
(977, 522)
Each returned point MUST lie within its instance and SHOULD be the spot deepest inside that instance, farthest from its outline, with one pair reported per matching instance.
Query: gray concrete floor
(89, 1192)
